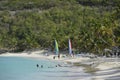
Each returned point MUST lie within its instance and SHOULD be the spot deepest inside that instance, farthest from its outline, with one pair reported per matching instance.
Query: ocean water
(19, 68)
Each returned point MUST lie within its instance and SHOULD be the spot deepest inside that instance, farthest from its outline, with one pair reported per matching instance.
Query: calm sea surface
(19, 68)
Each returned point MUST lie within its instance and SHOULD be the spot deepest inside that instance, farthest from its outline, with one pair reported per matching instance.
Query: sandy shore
(106, 64)
(42, 55)
(102, 64)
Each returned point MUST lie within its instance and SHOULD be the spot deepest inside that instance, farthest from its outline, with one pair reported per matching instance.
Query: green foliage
(92, 25)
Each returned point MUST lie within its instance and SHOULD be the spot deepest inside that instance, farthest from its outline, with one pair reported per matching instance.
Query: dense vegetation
(92, 25)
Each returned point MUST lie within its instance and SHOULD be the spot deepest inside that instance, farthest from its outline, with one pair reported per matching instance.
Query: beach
(95, 68)
(103, 63)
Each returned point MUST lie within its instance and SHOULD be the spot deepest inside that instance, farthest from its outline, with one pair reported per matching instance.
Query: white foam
(106, 76)
(105, 71)
(108, 65)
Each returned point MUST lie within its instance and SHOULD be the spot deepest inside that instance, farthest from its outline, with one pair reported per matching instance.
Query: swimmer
(59, 65)
(41, 66)
(37, 65)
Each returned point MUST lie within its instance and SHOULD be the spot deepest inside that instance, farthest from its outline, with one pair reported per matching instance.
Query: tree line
(28, 24)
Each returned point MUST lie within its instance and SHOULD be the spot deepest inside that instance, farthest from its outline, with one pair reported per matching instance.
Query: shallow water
(18, 68)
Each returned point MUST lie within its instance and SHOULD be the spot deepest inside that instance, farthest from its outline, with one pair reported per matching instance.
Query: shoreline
(99, 63)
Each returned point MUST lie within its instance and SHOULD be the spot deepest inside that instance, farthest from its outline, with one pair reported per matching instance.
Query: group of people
(37, 65)
(57, 56)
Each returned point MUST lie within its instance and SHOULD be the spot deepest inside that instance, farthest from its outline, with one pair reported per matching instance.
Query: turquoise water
(17, 68)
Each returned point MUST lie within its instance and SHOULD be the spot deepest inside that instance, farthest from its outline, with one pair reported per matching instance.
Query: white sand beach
(42, 55)
(102, 62)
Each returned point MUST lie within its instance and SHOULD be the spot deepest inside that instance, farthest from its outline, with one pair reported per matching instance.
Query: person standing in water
(59, 56)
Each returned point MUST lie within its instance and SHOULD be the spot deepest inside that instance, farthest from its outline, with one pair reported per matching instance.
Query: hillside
(92, 25)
